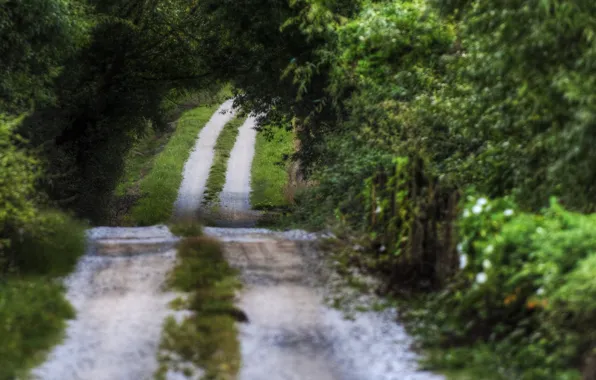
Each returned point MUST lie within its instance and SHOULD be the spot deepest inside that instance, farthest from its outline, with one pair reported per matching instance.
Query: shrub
(17, 180)
(525, 287)
(49, 246)
(31, 241)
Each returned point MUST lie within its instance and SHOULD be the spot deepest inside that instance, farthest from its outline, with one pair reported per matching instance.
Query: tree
(35, 37)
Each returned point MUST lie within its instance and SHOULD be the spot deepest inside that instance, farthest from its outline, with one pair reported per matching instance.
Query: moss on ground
(207, 338)
(186, 228)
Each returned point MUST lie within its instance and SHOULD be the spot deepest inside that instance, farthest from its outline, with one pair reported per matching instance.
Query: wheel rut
(292, 334)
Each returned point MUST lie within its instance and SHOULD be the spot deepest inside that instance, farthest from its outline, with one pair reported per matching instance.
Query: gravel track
(291, 334)
(117, 287)
(196, 169)
(120, 309)
(234, 200)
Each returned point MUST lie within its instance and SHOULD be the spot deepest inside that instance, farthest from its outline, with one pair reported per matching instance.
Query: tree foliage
(36, 36)
(107, 93)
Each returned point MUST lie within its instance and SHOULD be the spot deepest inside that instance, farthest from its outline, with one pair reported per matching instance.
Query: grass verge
(33, 314)
(223, 147)
(159, 187)
(208, 338)
(269, 175)
(33, 309)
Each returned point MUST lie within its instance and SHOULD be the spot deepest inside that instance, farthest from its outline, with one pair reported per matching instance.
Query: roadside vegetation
(81, 82)
(269, 174)
(207, 339)
(158, 189)
(221, 154)
(142, 156)
(38, 245)
(33, 318)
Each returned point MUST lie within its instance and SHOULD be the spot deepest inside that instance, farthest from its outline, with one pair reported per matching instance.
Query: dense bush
(49, 246)
(519, 95)
(31, 240)
(17, 185)
(525, 288)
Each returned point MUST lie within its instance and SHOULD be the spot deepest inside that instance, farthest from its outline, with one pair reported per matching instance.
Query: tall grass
(33, 313)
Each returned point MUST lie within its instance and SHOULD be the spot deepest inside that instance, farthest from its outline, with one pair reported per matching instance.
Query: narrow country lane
(196, 169)
(291, 334)
(117, 287)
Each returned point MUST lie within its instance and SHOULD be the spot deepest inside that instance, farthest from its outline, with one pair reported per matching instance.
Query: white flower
(361, 38)
(508, 212)
(489, 249)
(540, 291)
(378, 210)
(460, 248)
(463, 261)
(477, 209)
(486, 264)
(382, 248)
(481, 201)
(466, 213)
(540, 230)
(481, 278)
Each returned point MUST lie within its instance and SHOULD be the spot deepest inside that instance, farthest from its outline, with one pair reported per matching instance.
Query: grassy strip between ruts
(206, 340)
(223, 147)
(269, 174)
(160, 187)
